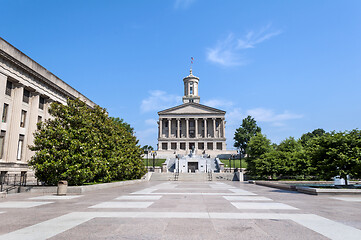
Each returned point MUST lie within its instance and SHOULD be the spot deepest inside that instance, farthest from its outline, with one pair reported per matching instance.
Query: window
(41, 103)
(26, 96)
(219, 146)
(9, 86)
(5, 112)
(23, 118)
(217, 123)
(20, 147)
(164, 146)
(190, 100)
(191, 90)
(40, 118)
(2, 143)
(210, 146)
(201, 146)
(183, 146)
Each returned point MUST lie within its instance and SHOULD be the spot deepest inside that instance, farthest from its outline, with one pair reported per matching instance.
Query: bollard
(62, 187)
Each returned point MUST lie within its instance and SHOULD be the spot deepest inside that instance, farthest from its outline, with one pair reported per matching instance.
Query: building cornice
(21, 60)
(215, 110)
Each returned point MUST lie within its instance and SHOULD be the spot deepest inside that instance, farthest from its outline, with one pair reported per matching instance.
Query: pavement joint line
(246, 198)
(122, 205)
(205, 194)
(55, 226)
(136, 197)
(348, 199)
(263, 206)
(55, 197)
(22, 204)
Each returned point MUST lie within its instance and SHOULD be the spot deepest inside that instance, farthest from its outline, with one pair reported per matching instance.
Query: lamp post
(229, 163)
(154, 154)
(240, 159)
(147, 152)
(177, 164)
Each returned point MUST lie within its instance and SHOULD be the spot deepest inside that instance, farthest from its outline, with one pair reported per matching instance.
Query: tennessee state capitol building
(191, 125)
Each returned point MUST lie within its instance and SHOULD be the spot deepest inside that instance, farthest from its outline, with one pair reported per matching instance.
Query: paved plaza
(181, 210)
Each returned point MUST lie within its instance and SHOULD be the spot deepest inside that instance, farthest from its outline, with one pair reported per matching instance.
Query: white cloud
(225, 53)
(218, 103)
(158, 101)
(182, 3)
(275, 120)
(228, 52)
(268, 115)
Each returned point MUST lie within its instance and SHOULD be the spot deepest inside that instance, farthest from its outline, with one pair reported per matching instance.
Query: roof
(191, 108)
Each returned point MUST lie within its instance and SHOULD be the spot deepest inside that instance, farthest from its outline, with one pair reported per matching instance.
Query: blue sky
(293, 65)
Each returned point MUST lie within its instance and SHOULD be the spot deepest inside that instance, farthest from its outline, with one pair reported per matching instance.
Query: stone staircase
(193, 177)
(162, 177)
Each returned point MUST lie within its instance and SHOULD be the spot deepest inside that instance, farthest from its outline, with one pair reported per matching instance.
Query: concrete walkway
(181, 210)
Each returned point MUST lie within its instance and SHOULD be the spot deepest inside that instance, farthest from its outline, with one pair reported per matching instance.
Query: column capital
(186, 119)
(177, 119)
(195, 118)
(214, 118)
(169, 119)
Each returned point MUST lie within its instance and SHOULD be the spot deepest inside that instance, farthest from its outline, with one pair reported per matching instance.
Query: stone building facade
(26, 91)
(191, 125)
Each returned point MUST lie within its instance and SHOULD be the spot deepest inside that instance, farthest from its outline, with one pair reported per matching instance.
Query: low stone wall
(305, 189)
(276, 185)
(83, 189)
(327, 191)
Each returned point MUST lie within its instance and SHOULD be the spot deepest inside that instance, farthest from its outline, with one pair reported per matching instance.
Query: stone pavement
(181, 210)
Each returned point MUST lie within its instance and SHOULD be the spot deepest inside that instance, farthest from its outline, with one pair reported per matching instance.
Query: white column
(169, 127)
(196, 129)
(32, 126)
(178, 133)
(14, 129)
(205, 128)
(224, 128)
(214, 127)
(160, 127)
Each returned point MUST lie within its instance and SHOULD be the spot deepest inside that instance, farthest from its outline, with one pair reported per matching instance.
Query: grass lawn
(235, 163)
(157, 162)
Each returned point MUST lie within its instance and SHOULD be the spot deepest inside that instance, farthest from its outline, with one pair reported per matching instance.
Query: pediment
(191, 108)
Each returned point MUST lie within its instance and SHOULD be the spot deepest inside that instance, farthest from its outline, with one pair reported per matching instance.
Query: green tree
(147, 148)
(81, 144)
(122, 123)
(257, 146)
(245, 132)
(336, 153)
(289, 145)
(308, 136)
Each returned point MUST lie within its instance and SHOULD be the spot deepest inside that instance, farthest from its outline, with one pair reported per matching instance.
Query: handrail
(9, 182)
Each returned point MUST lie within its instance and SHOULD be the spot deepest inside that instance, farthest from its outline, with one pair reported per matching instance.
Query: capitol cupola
(191, 89)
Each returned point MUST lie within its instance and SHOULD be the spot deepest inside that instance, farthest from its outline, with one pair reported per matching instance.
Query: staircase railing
(210, 177)
(176, 176)
(10, 182)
